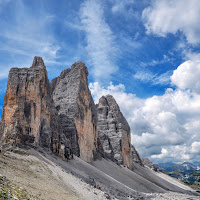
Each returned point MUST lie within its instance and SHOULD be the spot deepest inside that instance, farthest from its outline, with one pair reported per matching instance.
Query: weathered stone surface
(147, 163)
(62, 115)
(76, 110)
(29, 116)
(136, 156)
(114, 131)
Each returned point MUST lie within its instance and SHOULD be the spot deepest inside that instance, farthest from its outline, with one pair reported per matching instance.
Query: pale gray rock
(147, 163)
(136, 156)
(114, 132)
(76, 110)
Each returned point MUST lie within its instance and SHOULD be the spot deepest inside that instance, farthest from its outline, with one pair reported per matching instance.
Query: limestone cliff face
(76, 110)
(136, 156)
(114, 132)
(29, 116)
(62, 116)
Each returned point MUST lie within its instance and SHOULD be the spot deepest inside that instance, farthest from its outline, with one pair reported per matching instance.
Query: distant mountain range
(186, 171)
(184, 167)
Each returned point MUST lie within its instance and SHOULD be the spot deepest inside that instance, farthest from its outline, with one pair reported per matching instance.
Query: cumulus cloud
(195, 147)
(164, 153)
(101, 47)
(128, 100)
(186, 76)
(162, 126)
(186, 157)
(164, 16)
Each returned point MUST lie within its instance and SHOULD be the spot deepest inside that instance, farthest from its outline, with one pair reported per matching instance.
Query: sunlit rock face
(114, 132)
(62, 116)
(29, 116)
(76, 110)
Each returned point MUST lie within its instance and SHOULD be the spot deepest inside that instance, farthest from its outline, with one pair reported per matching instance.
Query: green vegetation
(10, 191)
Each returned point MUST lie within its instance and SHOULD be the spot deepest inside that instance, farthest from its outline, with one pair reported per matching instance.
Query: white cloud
(154, 79)
(4, 72)
(26, 34)
(101, 45)
(165, 59)
(185, 157)
(164, 153)
(164, 16)
(128, 100)
(186, 76)
(169, 122)
(122, 6)
(195, 147)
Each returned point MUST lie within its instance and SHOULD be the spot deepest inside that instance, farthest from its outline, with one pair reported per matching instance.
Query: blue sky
(145, 53)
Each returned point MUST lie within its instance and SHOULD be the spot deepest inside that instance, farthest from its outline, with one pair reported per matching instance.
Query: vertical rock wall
(136, 156)
(76, 110)
(62, 116)
(29, 116)
(114, 132)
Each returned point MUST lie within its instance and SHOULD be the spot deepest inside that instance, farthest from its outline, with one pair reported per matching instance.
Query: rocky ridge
(136, 157)
(147, 163)
(61, 116)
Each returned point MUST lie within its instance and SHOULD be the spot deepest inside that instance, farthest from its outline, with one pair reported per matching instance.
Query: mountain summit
(61, 115)
(53, 135)
(29, 115)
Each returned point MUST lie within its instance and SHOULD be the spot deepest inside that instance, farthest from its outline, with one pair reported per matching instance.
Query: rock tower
(29, 116)
(76, 110)
(114, 131)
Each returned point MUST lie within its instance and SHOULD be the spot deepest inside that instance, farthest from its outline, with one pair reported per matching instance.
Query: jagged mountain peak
(107, 100)
(29, 115)
(64, 107)
(114, 131)
(76, 110)
(62, 118)
(38, 62)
